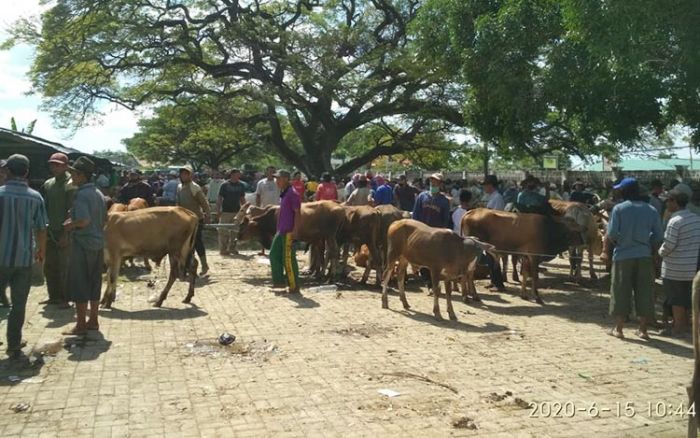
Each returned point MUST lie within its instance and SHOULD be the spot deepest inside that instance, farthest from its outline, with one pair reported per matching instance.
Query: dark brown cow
(320, 223)
(533, 237)
(153, 233)
(443, 252)
(362, 227)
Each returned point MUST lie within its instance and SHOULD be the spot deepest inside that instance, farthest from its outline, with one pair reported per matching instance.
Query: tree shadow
(161, 313)
(87, 348)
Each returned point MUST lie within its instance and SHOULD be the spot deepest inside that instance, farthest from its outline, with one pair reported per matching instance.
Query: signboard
(550, 163)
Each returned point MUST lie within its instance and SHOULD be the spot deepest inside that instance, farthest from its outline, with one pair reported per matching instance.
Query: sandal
(644, 336)
(616, 334)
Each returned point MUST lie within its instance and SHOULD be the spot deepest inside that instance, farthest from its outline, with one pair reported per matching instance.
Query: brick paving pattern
(313, 365)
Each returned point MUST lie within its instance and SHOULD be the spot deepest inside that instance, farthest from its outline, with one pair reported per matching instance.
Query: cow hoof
(438, 317)
(476, 299)
(187, 300)
(157, 304)
(594, 277)
(465, 300)
(385, 304)
(538, 300)
(453, 317)
(406, 306)
(524, 297)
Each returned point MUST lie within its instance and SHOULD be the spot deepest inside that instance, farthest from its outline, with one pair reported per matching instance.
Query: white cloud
(117, 124)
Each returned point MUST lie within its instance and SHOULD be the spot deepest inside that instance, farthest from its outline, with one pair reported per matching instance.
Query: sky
(117, 124)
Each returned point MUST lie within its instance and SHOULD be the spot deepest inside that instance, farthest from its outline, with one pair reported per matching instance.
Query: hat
(172, 173)
(83, 165)
(58, 158)
(626, 182)
(490, 179)
(186, 167)
(437, 176)
(17, 163)
(682, 188)
(283, 173)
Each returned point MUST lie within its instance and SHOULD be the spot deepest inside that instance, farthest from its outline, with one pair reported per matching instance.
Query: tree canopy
(328, 67)
(581, 76)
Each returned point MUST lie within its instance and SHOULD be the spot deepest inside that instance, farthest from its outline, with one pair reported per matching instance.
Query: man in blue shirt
(21, 212)
(384, 193)
(87, 246)
(635, 229)
(432, 207)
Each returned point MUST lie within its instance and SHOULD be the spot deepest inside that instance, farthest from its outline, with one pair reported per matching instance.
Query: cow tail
(694, 390)
(189, 254)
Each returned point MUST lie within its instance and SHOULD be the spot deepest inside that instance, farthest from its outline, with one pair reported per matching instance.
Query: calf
(593, 242)
(154, 233)
(440, 250)
(535, 238)
(361, 227)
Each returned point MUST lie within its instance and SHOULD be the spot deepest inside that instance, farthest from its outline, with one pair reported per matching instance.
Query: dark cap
(283, 173)
(17, 164)
(58, 158)
(626, 182)
(83, 165)
(490, 179)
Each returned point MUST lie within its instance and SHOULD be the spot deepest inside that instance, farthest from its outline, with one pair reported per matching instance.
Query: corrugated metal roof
(27, 138)
(645, 164)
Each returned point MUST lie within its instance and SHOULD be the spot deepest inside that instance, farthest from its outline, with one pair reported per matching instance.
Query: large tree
(328, 67)
(586, 77)
(203, 132)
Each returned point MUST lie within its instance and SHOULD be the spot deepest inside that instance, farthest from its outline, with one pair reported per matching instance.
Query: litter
(389, 392)
(584, 376)
(33, 380)
(21, 407)
(324, 288)
(640, 361)
(226, 338)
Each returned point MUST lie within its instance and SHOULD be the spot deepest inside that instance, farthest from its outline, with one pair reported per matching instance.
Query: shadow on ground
(162, 313)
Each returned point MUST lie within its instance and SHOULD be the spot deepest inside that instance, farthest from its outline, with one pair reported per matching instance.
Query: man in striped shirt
(21, 212)
(680, 258)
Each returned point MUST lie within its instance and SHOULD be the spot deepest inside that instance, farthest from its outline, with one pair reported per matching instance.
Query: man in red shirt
(298, 184)
(327, 190)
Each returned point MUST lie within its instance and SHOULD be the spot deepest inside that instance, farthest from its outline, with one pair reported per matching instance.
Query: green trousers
(283, 261)
(632, 281)
(56, 270)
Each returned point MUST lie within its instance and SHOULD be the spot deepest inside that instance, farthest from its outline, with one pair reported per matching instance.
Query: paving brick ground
(313, 365)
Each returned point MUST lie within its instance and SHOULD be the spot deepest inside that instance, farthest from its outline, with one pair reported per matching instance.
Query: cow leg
(534, 271)
(526, 272)
(514, 261)
(591, 271)
(401, 279)
(344, 261)
(385, 284)
(192, 277)
(146, 264)
(448, 294)
(113, 265)
(331, 258)
(171, 280)
(469, 277)
(435, 279)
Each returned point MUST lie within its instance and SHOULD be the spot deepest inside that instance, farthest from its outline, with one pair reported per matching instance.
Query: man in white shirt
(680, 258)
(267, 192)
(492, 197)
(213, 188)
(465, 198)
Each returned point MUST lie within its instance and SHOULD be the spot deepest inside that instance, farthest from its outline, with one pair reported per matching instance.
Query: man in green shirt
(58, 195)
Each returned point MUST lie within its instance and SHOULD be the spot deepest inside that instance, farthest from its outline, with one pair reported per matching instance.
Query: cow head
(262, 227)
(574, 233)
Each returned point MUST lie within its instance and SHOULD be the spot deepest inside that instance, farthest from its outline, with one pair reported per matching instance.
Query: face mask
(434, 189)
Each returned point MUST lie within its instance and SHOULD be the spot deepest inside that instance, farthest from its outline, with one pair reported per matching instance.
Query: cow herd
(384, 237)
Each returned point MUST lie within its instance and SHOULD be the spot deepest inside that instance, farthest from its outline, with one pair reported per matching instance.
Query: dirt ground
(322, 364)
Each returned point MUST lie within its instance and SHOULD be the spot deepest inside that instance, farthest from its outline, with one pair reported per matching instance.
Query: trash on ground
(324, 288)
(389, 392)
(226, 338)
(584, 376)
(641, 361)
(20, 407)
(464, 423)
(34, 379)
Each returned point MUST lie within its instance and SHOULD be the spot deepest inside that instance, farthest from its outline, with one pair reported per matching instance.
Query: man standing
(58, 195)
(327, 190)
(634, 228)
(680, 258)
(136, 188)
(578, 195)
(267, 192)
(298, 184)
(228, 203)
(657, 189)
(384, 194)
(492, 197)
(283, 260)
(405, 194)
(85, 226)
(213, 188)
(432, 207)
(191, 196)
(21, 212)
(170, 189)
(530, 200)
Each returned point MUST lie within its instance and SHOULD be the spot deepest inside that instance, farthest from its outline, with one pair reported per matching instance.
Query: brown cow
(153, 233)
(116, 207)
(593, 241)
(136, 204)
(362, 227)
(320, 223)
(535, 238)
(438, 249)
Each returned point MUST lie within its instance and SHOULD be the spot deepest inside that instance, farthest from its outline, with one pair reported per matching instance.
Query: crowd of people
(60, 226)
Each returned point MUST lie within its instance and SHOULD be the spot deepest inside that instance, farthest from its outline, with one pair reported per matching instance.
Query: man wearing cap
(405, 194)
(530, 200)
(21, 212)
(578, 195)
(58, 194)
(86, 260)
(191, 196)
(432, 207)
(680, 258)
(634, 228)
(283, 260)
(136, 188)
(231, 197)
